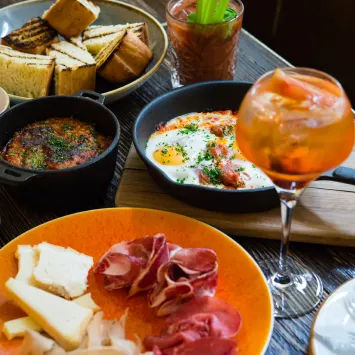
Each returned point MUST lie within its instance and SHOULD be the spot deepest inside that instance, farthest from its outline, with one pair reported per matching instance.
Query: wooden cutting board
(325, 213)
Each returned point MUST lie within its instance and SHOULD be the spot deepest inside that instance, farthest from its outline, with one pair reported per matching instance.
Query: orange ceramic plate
(241, 282)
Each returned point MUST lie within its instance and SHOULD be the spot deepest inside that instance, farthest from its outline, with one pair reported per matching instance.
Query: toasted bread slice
(71, 17)
(75, 68)
(96, 37)
(33, 37)
(26, 75)
(109, 48)
(128, 61)
(78, 41)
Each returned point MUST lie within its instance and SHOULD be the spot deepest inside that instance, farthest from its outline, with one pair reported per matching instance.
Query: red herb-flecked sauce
(56, 143)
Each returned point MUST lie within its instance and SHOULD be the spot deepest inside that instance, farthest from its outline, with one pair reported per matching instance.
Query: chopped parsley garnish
(227, 130)
(239, 170)
(58, 142)
(67, 127)
(180, 180)
(179, 148)
(213, 174)
(201, 157)
(191, 128)
(164, 151)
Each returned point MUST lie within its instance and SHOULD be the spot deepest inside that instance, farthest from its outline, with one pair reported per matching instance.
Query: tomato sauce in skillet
(56, 143)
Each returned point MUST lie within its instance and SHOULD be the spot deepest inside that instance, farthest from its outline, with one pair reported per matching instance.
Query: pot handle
(340, 174)
(91, 95)
(12, 176)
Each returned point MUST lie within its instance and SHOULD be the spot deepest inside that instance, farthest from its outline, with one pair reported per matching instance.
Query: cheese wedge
(18, 327)
(86, 301)
(62, 271)
(64, 321)
(26, 257)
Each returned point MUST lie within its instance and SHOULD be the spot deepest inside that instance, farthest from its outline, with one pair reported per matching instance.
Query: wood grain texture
(335, 265)
(324, 214)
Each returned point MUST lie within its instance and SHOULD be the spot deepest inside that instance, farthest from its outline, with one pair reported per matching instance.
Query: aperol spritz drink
(295, 124)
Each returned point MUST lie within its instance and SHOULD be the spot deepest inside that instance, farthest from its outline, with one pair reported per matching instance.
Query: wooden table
(335, 265)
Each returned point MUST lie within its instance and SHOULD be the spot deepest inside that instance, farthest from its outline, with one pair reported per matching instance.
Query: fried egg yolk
(172, 155)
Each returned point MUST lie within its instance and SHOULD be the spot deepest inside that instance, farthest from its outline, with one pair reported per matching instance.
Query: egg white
(194, 144)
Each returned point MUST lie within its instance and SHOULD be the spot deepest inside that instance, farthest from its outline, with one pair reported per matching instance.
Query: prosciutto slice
(199, 326)
(134, 264)
(190, 272)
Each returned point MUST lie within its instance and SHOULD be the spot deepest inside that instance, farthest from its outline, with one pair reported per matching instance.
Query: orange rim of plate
(241, 282)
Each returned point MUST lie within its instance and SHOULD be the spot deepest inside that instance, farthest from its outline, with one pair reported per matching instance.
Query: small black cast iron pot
(208, 96)
(73, 182)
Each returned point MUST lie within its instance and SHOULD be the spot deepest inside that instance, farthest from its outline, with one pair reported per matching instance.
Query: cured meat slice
(199, 326)
(159, 255)
(215, 346)
(134, 263)
(223, 319)
(191, 272)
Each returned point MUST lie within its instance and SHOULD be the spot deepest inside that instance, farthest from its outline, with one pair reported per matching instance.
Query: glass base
(175, 79)
(296, 295)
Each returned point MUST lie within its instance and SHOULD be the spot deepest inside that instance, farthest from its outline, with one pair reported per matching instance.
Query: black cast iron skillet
(202, 97)
(77, 181)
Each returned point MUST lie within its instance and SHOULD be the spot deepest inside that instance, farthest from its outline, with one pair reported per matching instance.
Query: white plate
(333, 315)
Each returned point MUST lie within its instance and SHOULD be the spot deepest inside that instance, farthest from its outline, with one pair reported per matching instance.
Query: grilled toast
(23, 74)
(75, 68)
(106, 51)
(33, 37)
(128, 61)
(71, 17)
(97, 37)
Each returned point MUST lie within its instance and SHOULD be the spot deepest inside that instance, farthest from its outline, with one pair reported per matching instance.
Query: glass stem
(288, 200)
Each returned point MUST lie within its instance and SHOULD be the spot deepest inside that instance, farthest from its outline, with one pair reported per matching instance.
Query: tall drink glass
(202, 52)
(294, 124)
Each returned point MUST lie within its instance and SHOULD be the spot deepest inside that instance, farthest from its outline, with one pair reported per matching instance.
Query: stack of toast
(34, 57)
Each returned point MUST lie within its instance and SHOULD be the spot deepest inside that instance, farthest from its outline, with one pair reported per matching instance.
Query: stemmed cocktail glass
(294, 124)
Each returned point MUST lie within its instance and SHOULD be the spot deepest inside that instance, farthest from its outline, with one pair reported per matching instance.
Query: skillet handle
(91, 95)
(341, 174)
(12, 176)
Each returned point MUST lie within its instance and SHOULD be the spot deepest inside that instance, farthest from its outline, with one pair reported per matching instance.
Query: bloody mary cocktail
(202, 52)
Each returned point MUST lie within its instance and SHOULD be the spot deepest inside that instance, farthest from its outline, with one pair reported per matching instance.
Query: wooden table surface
(335, 265)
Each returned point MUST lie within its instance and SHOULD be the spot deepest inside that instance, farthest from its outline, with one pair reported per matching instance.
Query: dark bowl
(70, 183)
(202, 97)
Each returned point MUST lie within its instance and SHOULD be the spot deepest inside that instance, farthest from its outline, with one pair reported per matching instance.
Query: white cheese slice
(18, 327)
(87, 302)
(64, 321)
(62, 271)
(26, 257)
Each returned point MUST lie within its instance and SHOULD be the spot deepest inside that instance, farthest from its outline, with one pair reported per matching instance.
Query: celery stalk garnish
(212, 11)
(209, 11)
(220, 10)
